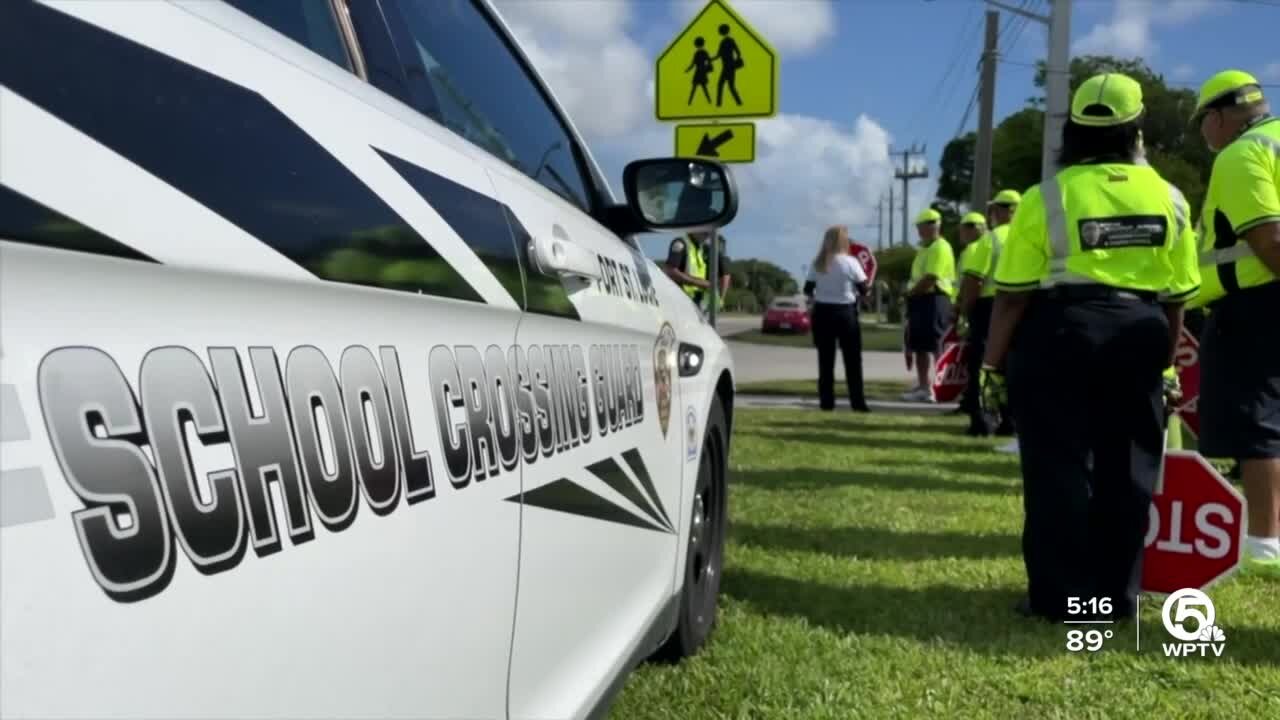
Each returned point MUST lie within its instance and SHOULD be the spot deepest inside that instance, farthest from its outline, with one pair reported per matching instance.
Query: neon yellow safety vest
(1115, 224)
(982, 261)
(938, 260)
(998, 236)
(695, 264)
(1244, 192)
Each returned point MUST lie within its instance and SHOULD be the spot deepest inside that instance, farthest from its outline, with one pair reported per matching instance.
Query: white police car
(332, 383)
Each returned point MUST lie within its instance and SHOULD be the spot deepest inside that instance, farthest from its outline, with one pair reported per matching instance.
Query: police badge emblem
(664, 365)
(1090, 234)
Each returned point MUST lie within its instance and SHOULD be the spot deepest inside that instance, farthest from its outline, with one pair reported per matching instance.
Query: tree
(762, 279)
(955, 180)
(1016, 150)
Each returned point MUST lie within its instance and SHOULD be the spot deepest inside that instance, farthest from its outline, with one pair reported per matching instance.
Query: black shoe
(1005, 430)
(977, 431)
(862, 408)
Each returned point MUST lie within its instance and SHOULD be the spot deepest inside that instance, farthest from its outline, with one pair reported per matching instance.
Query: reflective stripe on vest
(1222, 256)
(1060, 236)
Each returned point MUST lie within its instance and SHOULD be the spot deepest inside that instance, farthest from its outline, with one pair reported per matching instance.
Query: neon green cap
(1006, 197)
(974, 218)
(1107, 100)
(1229, 87)
(928, 215)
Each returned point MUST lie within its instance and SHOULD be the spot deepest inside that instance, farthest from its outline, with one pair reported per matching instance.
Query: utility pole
(906, 175)
(891, 215)
(986, 111)
(880, 224)
(1057, 77)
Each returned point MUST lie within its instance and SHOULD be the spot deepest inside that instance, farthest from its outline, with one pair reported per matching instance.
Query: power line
(963, 41)
(973, 100)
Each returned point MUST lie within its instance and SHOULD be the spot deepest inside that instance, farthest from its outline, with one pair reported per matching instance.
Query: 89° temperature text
(1090, 640)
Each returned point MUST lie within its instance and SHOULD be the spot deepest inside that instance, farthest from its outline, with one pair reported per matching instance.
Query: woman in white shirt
(833, 286)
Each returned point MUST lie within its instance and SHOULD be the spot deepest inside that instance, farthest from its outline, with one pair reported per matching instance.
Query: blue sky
(857, 76)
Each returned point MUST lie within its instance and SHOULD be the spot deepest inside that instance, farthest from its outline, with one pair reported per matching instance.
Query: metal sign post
(715, 277)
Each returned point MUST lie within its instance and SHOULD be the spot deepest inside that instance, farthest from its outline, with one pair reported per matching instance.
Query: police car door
(245, 327)
(601, 452)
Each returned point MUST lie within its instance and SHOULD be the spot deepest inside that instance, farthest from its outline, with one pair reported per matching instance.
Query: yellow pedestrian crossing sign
(726, 142)
(717, 67)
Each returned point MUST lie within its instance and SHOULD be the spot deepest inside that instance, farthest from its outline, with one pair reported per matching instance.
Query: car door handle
(558, 255)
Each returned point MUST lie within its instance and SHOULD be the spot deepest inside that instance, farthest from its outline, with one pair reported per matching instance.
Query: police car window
(484, 94)
(308, 22)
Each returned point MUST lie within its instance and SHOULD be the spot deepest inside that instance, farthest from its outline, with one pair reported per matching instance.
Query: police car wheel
(704, 561)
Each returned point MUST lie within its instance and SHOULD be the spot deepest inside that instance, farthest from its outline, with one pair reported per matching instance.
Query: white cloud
(1129, 32)
(790, 26)
(1270, 73)
(593, 66)
(1183, 72)
(809, 173)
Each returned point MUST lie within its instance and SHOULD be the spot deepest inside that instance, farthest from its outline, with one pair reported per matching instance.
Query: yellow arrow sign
(717, 67)
(726, 142)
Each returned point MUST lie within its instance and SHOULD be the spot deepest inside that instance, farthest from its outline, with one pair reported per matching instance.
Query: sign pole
(715, 277)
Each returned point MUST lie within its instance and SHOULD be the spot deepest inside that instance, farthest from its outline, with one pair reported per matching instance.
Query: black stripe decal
(24, 220)
(475, 217)
(612, 475)
(221, 144)
(636, 463)
(565, 496)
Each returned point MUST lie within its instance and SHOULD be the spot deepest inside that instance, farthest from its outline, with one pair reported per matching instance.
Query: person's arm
(970, 288)
(1265, 241)
(1023, 264)
(1174, 313)
(1005, 316)
(1184, 284)
(674, 266)
(685, 278)
(924, 285)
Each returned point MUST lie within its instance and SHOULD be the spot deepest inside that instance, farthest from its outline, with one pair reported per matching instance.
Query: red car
(787, 315)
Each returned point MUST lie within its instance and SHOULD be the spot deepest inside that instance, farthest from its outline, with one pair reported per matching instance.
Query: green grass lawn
(871, 569)
(875, 337)
(874, 389)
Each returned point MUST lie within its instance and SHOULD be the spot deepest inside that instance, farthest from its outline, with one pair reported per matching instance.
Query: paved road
(728, 325)
(768, 362)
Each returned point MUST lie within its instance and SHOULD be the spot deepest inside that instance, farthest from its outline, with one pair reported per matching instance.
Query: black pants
(1084, 381)
(832, 325)
(979, 324)
(1240, 376)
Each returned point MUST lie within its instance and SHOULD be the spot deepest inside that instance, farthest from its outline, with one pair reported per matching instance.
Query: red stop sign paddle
(1187, 360)
(1195, 526)
(950, 373)
(865, 258)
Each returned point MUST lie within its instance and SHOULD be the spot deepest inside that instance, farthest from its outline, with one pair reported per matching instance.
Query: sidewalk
(796, 401)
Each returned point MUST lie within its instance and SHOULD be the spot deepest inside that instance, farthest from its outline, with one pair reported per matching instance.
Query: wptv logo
(1189, 616)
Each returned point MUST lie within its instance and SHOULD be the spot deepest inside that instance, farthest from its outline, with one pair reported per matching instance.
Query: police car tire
(704, 561)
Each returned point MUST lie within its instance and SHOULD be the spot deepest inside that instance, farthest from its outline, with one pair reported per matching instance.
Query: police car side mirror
(679, 194)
